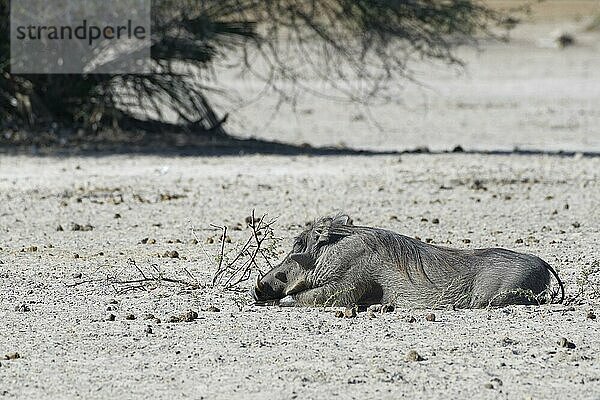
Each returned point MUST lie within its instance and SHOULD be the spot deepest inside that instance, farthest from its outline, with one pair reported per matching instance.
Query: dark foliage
(280, 41)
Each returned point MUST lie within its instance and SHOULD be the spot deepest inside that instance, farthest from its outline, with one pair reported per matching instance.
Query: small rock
(466, 241)
(144, 241)
(386, 308)
(148, 330)
(111, 308)
(130, 317)
(519, 241)
(193, 241)
(59, 228)
(187, 316)
(375, 308)
(370, 314)
(339, 314)
(75, 255)
(591, 315)
(350, 312)
(171, 254)
(435, 221)
(113, 301)
(111, 317)
(564, 342)
(458, 149)
(12, 356)
(22, 308)
(576, 225)
(77, 275)
(30, 249)
(414, 356)
(213, 309)
(149, 316)
(410, 319)
(117, 216)
(488, 385)
(430, 317)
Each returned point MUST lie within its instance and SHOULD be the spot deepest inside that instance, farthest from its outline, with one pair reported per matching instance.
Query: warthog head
(300, 271)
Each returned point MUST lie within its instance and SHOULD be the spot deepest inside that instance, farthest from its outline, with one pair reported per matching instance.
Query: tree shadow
(162, 139)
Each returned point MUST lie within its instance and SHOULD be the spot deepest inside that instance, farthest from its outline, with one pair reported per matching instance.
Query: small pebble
(148, 329)
(75, 255)
(111, 317)
(130, 317)
(213, 309)
(591, 315)
(410, 319)
(149, 316)
(77, 275)
(187, 316)
(22, 308)
(564, 342)
(339, 314)
(430, 317)
(414, 356)
(12, 356)
(350, 312)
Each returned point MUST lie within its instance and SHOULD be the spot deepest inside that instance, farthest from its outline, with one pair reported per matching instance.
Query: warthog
(336, 263)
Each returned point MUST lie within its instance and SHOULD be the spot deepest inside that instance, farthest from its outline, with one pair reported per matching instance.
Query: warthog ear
(342, 219)
(305, 260)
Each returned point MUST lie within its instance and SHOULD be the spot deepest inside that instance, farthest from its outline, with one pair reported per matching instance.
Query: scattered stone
(144, 241)
(171, 254)
(77, 275)
(111, 308)
(193, 241)
(519, 241)
(59, 228)
(187, 316)
(565, 40)
(12, 356)
(576, 224)
(458, 149)
(22, 308)
(370, 314)
(30, 249)
(130, 317)
(339, 314)
(564, 342)
(148, 330)
(488, 385)
(410, 319)
(117, 216)
(75, 255)
(149, 316)
(350, 312)
(591, 315)
(81, 228)
(413, 356)
(430, 317)
(386, 308)
(111, 317)
(210, 240)
(435, 221)
(467, 241)
(113, 301)
(213, 309)
(478, 185)
(566, 206)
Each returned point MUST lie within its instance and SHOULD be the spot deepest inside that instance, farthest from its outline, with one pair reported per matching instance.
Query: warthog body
(336, 263)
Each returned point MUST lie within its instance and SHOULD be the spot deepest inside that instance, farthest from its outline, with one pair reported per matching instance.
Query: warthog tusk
(258, 284)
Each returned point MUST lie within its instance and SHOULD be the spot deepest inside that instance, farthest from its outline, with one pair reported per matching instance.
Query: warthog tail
(559, 281)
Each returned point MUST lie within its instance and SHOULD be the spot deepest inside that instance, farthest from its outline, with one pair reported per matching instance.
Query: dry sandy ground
(69, 350)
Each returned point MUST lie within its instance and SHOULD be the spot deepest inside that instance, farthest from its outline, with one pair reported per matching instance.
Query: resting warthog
(336, 263)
